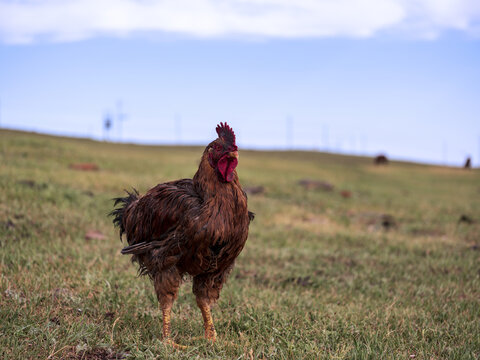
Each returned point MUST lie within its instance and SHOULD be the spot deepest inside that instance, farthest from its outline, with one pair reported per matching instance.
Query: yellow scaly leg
(166, 331)
(210, 333)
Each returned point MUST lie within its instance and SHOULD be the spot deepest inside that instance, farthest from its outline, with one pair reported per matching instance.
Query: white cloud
(428, 18)
(25, 21)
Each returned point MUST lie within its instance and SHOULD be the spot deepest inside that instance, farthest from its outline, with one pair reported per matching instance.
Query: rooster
(193, 227)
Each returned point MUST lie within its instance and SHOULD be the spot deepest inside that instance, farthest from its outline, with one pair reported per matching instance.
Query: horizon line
(174, 143)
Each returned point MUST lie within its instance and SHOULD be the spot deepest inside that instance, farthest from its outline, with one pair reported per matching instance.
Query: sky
(400, 77)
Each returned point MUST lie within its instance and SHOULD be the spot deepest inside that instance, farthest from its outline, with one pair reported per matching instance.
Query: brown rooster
(190, 226)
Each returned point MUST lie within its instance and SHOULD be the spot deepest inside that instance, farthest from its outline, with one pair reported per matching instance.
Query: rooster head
(223, 153)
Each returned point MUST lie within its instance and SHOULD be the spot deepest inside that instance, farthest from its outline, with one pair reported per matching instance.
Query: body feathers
(199, 225)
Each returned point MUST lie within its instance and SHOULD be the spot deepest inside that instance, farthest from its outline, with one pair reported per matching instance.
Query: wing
(149, 221)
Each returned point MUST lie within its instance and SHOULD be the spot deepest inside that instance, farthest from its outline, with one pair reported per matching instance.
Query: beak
(233, 154)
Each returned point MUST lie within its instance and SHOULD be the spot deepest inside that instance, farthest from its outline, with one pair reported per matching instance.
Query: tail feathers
(119, 212)
(140, 248)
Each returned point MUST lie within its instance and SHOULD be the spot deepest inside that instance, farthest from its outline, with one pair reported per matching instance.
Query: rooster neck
(217, 193)
(223, 216)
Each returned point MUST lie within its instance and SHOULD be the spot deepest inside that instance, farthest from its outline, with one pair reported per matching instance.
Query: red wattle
(226, 165)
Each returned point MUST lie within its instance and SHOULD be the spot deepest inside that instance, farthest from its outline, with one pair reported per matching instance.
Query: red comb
(225, 133)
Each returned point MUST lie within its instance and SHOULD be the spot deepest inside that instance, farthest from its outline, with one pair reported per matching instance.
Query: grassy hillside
(388, 272)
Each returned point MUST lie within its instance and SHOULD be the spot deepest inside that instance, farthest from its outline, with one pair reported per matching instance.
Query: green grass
(319, 278)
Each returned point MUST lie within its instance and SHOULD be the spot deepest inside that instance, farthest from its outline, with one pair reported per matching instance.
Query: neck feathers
(207, 182)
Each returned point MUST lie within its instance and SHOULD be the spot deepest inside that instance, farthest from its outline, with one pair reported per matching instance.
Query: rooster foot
(211, 335)
(173, 344)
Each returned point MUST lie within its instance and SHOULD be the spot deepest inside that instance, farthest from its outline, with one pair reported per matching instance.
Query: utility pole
(107, 124)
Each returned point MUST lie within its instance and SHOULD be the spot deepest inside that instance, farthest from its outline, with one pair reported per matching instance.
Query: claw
(211, 334)
(173, 344)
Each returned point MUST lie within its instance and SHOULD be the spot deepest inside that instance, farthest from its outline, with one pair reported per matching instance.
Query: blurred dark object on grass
(380, 159)
(254, 190)
(309, 184)
(94, 235)
(465, 219)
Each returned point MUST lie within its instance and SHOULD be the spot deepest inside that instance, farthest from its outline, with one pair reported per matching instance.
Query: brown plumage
(191, 226)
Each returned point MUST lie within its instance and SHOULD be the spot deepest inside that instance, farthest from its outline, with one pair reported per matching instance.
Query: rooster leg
(207, 290)
(167, 312)
(166, 331)
(166, 286)
(204, 305)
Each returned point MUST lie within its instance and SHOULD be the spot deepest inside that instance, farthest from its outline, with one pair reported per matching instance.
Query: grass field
(388, 273)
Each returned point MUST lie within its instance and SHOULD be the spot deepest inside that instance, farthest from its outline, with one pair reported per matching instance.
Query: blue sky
(361, 76)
